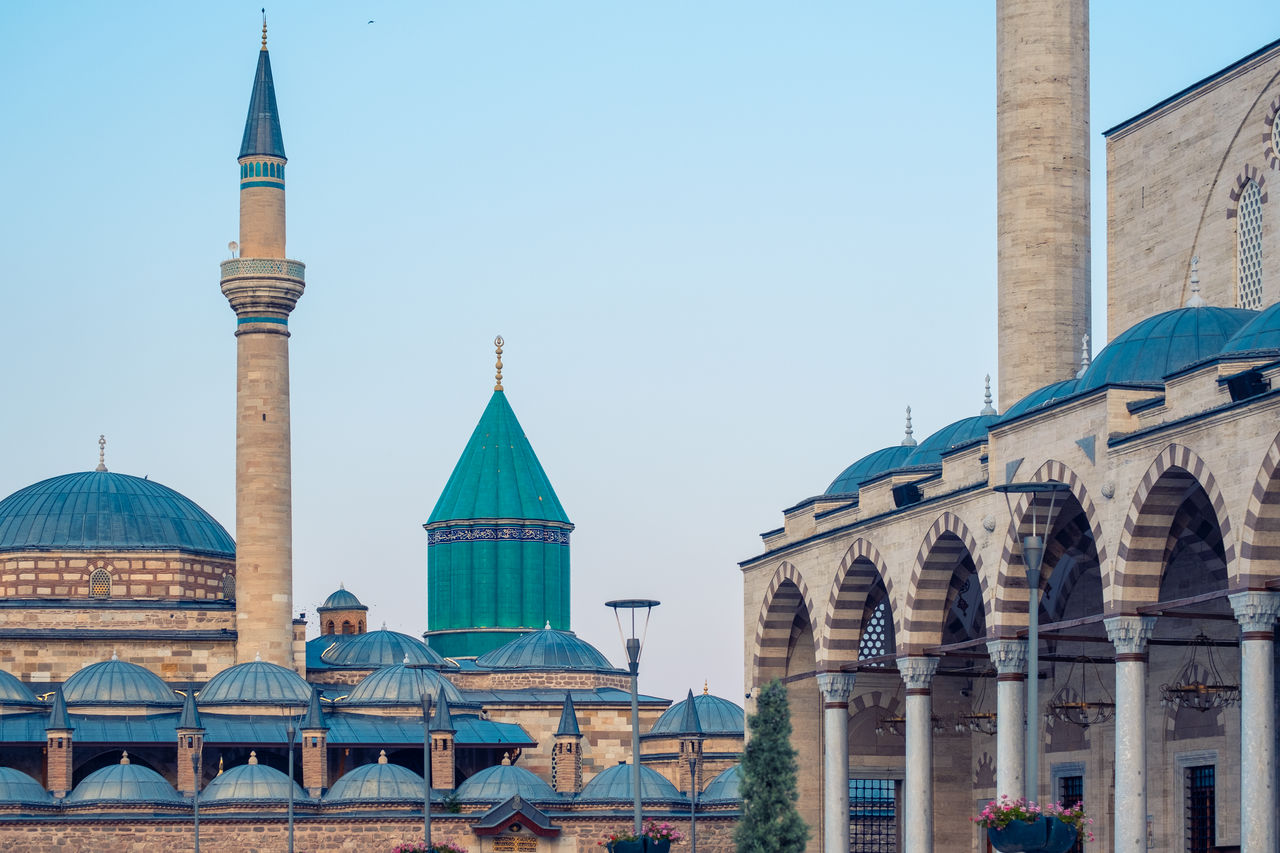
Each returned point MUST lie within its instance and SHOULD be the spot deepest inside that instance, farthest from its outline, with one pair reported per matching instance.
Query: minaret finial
(987, 409)
(1084, 355)
(1195, 300)
(705, 687)
(102, 453)
(264, 27)
(907, 440)
(497, 343)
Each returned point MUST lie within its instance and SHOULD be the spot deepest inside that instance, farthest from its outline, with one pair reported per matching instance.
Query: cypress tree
(770, 822)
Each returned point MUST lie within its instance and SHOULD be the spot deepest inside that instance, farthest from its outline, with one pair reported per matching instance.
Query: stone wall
(155, 575)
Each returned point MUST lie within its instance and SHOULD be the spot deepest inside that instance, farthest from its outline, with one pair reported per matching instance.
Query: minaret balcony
(263, 285)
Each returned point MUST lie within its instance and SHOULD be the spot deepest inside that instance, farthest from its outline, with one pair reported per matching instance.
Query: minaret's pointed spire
(442, 719)
(190, 718)
(315, 714)
(58, 719)
(690, 723)
(262, 128)
(568, 719)
(264, 27)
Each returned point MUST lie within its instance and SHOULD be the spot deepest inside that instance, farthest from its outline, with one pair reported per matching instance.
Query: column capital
(917, 672)
(1129, 634)
(1008, 656)
(1256, 610)
(836, 686)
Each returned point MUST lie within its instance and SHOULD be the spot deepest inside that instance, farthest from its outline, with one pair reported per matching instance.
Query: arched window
(360, 627)
(346, 627)
(100, 584)
(280, 169)
(229, 587)
(1249, 247)
(330, 631)
(257, 170)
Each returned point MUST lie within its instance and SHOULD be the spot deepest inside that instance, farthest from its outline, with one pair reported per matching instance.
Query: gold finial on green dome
(264, 28)
(497, 343)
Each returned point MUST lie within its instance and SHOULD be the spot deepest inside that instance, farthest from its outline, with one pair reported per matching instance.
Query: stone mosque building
(146, 657)
(895, 603)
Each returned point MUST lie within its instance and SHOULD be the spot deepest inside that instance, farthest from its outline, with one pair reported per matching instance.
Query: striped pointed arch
(947, 559)
(866, 709)
(1151, 527)
(787, 596)
(860, 570)
(1078, 534)
(1260, 539)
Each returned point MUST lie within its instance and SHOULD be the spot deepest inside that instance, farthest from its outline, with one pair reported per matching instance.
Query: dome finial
(547, 627)
(1195, 300)
(253, 756)
(124, 758)
(382, 757)
(987, 409)
(114, 656)
(257, 657)
(497, 343)
(102, 453)
(506, 759)
(705, 691)
(219, 765)
(907, 440)
(264, 28)
(1084, 355)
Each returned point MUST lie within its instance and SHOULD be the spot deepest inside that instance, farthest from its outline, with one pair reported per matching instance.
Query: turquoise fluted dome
(957, 434)
(1147, 352)
(14, 692)
(379, 648)
(716, 716)
(102, 509)
(250, 782)
(403, 685)
(725, 788)
(497, 543)
(341, 599)
(868, 468)
(18, 787)
(117, 682)
(255, 683)
(124, 783)
(377, 783)
(1261, 334)
(502, 782)
(547, 649)
(614, 785)
(1040, 397)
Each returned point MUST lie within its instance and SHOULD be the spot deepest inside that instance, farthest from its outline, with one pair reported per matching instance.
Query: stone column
(1130, 635)
(836, 688)
(1256, 611)
(917, 674)
(1010, 660)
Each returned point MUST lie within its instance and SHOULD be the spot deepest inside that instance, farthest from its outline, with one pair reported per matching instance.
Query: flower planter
(655, 846)
(1046, 835)
(636, 846)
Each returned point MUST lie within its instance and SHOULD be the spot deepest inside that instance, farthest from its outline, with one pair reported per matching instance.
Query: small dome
(101, 509)
(1149, 351)
(250, 782)
(14, 692)
(726, 787)
(962, 432)
(614, 785)
(340, 599)
(546, 649)
(377, 783)
(256, 683)
(128, 783)
(402, 685)
(716, 716)
(1261, 334)
(501, 782)
(18, 787)
(380, 648)
(117, 682)
(1040, 397)
(868, 468)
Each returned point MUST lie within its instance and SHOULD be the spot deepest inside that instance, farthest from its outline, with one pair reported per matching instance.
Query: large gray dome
(380, 648)
(256, 683)
(403, 685)
(250, 782)
(14, 692)
(502, 782)
(725, 788)
(117, 682)
(377, 783)
(547, 649)
(18, 787)
(614, 786)
(124, 783)
(716, 716)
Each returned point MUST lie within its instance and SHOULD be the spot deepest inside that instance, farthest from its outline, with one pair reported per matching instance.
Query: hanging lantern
(978, 720)
(1199, 686)
(1075, 707)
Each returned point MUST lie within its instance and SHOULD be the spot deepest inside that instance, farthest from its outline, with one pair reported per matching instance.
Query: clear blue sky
(726, 242)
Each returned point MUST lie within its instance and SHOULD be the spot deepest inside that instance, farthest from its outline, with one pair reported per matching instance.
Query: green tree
(770, 822)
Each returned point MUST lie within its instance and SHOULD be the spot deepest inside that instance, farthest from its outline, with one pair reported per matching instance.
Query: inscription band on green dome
(493, 534)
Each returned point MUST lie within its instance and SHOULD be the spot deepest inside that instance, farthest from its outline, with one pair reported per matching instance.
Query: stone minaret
(566, 754)
(58, 736)
(1042, 153)
(191, 734)
(262, 287)
(315, 748)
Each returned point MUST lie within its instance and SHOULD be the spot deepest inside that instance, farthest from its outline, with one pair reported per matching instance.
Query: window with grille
(100, 584)
(877, 633)
(1249, 246)
(873, 819)
(229, 587)
(1071, 793)
(1200, 808)
(514, 844)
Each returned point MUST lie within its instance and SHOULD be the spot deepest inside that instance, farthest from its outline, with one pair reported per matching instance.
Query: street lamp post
(195, 797)
(426, 768)
(633, 645)
(1033, 559)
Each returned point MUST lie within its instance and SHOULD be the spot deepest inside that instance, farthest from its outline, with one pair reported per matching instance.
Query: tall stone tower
(1042, 128)
(497, 542)
(262, 287)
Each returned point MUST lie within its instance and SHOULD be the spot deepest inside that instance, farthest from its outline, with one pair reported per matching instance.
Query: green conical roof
(499, 475)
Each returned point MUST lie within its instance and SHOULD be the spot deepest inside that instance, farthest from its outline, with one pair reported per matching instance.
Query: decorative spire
(442, 719)
(264, 28)
(253, 756)
(705, 691)
(547, 627)
(315, 715)
(124, 757)
(690, 724)
(382, 756)
(190, 718)
(497, 343)
(1084, 355)
(907, 440)
(987, 409)
(1195, 300)
(506, 759)
(262, 135)
(114, 656)
(568, 719)
(102, 453)
(219, 765)
(58, 719)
